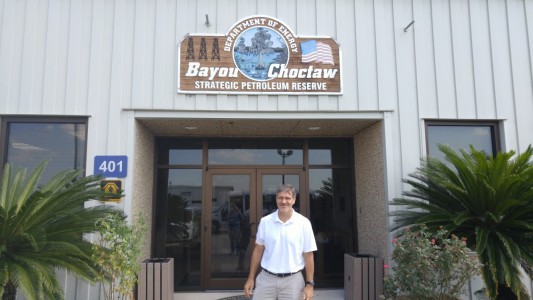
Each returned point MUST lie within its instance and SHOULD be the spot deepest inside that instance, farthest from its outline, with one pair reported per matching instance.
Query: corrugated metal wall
(460, 59)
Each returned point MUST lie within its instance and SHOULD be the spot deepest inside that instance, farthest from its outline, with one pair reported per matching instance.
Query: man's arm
(255, 261)
(309, 274)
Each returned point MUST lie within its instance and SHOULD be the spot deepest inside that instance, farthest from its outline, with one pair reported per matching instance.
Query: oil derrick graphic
(203, 50)
(215, 54)
(190, 50)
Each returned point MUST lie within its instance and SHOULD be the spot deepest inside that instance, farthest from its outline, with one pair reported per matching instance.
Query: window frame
(4, 134)
(493, 124)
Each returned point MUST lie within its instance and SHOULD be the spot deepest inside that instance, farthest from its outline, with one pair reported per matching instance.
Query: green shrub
(429, 266)
(118, 253)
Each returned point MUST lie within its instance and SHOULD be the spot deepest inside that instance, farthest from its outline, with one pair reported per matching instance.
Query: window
(28, 141)
(460, 135)
(255, 152)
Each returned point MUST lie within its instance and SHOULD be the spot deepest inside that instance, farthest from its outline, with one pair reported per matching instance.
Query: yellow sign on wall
(114, 188)
(259, 55)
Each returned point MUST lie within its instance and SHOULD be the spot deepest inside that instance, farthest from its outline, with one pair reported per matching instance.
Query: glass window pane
(183, 223)
(460, 137)
(330, 152)
(330, 196)
(185, 156)
(262, 152)
(62, 143)
(180, 152)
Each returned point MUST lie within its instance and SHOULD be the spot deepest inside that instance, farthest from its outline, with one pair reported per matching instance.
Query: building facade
(102, 86)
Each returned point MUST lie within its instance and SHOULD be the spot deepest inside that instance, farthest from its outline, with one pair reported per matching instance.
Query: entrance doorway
(239, 199)
(211, 194)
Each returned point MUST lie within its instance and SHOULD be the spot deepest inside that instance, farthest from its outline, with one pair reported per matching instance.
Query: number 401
(110, 166)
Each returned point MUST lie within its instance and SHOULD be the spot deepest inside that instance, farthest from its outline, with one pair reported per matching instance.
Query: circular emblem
(256, 49)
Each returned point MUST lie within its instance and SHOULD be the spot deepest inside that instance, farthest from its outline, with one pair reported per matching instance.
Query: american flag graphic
(313, 51)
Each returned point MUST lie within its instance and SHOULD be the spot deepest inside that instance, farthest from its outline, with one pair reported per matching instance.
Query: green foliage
(427, 266)
(488, 200)
(118, 254)
(42, 228)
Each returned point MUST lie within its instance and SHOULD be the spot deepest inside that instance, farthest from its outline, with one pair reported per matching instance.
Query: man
(284, 246)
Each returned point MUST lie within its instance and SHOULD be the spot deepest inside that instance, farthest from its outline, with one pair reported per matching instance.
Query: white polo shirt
(285, 243)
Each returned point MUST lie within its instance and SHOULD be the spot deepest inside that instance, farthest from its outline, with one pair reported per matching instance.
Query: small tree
(118, 254)
(261, 44)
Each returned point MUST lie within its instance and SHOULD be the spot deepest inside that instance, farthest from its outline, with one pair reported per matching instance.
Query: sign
(259, 55)
(111, 166)
(113, 187)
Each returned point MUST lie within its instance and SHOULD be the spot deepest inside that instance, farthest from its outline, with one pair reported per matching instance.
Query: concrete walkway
(214, 295)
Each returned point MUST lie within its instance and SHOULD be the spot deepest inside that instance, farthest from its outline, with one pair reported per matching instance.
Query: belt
(281, 274)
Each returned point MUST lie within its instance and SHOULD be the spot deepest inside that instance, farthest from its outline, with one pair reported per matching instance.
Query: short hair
(286, 188)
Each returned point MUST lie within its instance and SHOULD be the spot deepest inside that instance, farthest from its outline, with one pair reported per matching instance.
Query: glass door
(235, 213)
(268, 182)
(228, 238)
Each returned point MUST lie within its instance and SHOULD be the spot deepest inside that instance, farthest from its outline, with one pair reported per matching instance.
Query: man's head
(287, 188)
(285, 198)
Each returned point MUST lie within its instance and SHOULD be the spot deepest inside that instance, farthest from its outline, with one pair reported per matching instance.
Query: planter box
(363, 277)
(156, 279)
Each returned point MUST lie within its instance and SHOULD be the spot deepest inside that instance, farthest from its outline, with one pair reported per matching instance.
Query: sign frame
(182, 45)
(106, 165)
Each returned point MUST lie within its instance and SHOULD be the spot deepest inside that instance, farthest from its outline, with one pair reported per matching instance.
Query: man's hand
(308, 292)
(249, 288)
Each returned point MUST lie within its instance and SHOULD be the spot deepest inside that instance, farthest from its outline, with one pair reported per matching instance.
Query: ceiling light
(314, 128)
(191, 127)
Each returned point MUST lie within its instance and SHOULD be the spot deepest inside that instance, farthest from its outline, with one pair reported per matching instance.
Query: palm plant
(488, 200)
(42, 228)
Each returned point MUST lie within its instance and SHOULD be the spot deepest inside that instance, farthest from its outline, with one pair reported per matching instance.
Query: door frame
(256, 208)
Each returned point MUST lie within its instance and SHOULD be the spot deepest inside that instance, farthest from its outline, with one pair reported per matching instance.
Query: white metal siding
(460, 59)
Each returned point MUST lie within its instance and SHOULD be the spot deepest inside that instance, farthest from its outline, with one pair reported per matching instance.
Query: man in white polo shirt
(284, 246)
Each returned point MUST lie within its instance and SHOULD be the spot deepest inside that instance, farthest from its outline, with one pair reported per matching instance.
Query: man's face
(285, 201)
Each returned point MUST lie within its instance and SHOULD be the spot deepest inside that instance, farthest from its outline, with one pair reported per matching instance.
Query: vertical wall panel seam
(529, 61)
(68, 60)
(22, 59)
(376, 65)
(417, 94)
(134, 20)
(434, 59)
(89, 64)
(296, 18)
(400, 162)
(316, 18)
(495, 100)
(336, 37)
(45, 53)
(513, 84)
(152, 101)
(476, 113)
(529, 65)
(454, 73)
(175, 56)
(355, 54)
(112, 28)
(2, 18)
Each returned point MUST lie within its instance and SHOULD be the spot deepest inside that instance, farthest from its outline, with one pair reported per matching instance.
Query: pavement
(320, 294)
